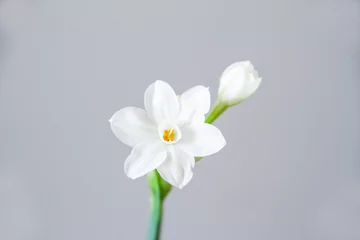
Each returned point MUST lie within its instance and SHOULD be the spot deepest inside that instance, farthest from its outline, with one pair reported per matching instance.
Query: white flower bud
(238, 82)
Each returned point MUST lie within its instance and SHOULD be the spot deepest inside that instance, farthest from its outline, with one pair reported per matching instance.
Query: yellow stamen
(169, 135)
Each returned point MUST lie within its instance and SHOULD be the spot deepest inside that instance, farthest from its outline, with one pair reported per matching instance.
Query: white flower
(238, 82)
(169, 134)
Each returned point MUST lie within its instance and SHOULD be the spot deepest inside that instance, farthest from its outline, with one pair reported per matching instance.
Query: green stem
(155, 217)
(216, 112)
(159, 190)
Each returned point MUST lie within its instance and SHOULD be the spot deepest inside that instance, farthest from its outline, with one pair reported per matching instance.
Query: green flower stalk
(218, 109)
(159, 189)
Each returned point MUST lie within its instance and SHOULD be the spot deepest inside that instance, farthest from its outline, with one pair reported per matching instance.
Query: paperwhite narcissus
(169, 134)
(238, 82)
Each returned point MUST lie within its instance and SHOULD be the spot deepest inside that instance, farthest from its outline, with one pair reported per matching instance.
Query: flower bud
(238, 82)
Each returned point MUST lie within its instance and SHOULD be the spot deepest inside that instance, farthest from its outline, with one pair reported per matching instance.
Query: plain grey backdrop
(290, 170)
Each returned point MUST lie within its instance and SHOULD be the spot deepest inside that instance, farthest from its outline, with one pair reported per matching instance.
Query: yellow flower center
(169, 135)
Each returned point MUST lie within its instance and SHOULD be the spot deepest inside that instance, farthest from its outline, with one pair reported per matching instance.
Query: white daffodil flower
(168, 134)
(238, 82)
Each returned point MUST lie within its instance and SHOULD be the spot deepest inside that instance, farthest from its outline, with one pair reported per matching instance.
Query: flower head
(168, 134)
(238, 82)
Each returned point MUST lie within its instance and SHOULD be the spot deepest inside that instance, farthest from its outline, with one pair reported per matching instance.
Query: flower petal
(177, 168)
(145, 157)
(161, 102)
(132, 125)
(201, 139)
(194, 104)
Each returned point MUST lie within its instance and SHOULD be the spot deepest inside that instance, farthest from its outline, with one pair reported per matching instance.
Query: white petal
(161, 102)
(201, 140)
(177, 168)
(132, 125)
(144, 158)
(194, 104)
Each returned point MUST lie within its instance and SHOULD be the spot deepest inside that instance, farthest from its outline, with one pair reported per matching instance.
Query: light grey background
(290, 170)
